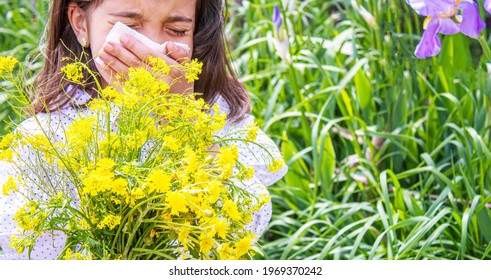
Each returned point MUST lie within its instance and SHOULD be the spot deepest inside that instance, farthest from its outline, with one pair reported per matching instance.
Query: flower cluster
(446, 17)
(157, 185)
(7, 64)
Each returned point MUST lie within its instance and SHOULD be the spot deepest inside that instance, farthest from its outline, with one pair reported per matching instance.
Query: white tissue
(119, 29)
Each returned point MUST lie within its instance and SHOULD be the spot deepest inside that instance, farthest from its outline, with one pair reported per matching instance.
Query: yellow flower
(221, 228)
(227, 252)
(219, 119)
(213, 191)
(134, 195)
(80, 133)
(252, 130)
(190, 159)
(226, 160)
(231, 210)
(228, 155)
(7, 64)
(109, 222)
(172, 143)
(7, 155)
(110, 93)
(205, 244)
(246, 173)
(276, 165)
(159, 65)
(118, 187)
(158, 181)
(106, 164)
(73, 72)
(176, 202)
(9, 186)
(194, 69)
(7, 140)
(183, 235)
(243, 246)
(99, 105)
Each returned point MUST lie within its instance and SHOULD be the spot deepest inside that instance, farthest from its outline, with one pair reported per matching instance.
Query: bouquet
(138, 175)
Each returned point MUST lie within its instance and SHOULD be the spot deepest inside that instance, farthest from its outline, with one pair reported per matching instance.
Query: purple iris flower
(487, 6)
(446, 17)
(277, 21)
(281, 40)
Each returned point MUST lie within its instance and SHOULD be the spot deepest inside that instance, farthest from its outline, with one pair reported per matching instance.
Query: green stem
(299, 98)
(485, 47)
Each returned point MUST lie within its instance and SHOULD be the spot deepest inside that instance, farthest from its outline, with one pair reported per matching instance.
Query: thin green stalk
(485, 47)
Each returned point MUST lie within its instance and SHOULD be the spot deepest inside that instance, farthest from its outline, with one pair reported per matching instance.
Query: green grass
(21, 27)
(389, 156)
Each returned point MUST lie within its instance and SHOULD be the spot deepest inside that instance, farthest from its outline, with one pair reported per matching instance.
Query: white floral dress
(50, 245)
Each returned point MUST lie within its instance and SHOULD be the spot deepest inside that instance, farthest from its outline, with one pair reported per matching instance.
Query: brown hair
(217, 77)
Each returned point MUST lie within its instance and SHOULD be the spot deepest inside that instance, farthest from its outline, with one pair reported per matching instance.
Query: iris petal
(277, 19)
(430, 43)
(431, 7)
(487, 6)
(472, 24)
(448, 27)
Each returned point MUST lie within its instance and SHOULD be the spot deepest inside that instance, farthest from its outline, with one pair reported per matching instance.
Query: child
(80, 26)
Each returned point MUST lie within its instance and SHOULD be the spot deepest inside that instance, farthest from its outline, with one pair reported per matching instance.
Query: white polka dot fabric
(50, 244)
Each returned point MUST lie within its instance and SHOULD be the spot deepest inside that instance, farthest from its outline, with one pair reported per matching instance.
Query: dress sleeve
(259, 155)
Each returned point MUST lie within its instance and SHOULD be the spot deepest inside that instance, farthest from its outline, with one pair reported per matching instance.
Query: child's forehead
(147, 10)
(148, 6)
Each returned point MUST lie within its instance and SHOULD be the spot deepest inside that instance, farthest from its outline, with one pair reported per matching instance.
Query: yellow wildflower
(133, 196)
(176, 202)
(159, 65)
(213, 191)
(228, 155)
(80, 132)
(231, 210)
(109, 222)
(219, 119)
(183, 235)
(193, 70)
(205, 244)
(227, 252)
(7, 140)
(172, 143)
(252, 130)
(159, 181)
(243, 246)
(118, 187)
(9, 186)
(73, 72)
(276, 165)
(226, 159)
(99, 105)
(7, 64)
(110, 93)
(106, 164)
(221, 228)
(7, 155)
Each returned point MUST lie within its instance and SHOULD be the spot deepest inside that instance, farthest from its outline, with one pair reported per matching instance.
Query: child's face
(159, 20)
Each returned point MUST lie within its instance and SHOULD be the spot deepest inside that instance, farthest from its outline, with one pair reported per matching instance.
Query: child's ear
(78, 21)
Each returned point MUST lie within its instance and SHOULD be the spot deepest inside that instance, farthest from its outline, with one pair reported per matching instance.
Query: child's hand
(132, 53)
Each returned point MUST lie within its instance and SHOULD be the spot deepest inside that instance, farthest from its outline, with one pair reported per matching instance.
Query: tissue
(119, 29)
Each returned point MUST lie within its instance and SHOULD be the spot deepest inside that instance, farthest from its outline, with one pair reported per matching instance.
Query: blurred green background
(389, 156)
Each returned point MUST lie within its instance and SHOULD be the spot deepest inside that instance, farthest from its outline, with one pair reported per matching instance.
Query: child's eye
(132, 26)
(179, 32)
